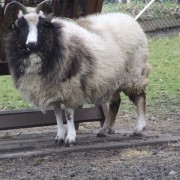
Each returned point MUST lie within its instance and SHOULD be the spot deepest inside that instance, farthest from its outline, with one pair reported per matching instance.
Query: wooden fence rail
(34, 118)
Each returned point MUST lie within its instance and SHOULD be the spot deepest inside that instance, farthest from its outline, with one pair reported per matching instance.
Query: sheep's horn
(39, 6)
(21, 6)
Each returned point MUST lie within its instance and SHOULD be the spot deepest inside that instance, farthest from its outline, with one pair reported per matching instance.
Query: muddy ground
(157, 162)
(153, 161)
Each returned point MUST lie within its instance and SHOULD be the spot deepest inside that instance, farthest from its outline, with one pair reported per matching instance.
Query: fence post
(144, 9)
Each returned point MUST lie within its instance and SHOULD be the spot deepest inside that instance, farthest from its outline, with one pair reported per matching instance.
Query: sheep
(58, 61)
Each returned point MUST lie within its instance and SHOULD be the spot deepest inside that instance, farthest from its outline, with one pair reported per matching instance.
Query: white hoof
(140, 127)
(60, 137)
(70, 139)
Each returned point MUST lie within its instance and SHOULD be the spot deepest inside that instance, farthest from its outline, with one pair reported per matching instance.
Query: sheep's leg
(111, 116)
(60, 126)
(71, 132)
(140, 102)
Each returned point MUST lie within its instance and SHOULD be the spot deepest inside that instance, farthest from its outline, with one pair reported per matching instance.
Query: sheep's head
(31, 25)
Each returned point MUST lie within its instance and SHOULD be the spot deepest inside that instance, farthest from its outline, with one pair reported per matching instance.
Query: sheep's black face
(22, 29)
(34, 34)
(33, 31)
(44, 33)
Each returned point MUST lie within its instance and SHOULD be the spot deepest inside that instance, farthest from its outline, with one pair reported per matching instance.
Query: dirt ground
(130, 163)
(158, 162)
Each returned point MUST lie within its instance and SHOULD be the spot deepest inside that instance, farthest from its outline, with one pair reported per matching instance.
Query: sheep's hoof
(138, 133)
(67, 144)
(111, 131)
(59, 141)
(139, 128)
(103, 132)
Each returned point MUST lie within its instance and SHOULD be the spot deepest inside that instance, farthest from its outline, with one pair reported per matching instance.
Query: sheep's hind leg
(60, 126)
(111, 116)
(71, 132)
(140, 102)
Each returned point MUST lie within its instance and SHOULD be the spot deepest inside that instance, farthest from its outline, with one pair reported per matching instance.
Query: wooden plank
(75, 8)
(91, 7)
(34, 118)
(4, 69)
(64, 8)
(99, 5)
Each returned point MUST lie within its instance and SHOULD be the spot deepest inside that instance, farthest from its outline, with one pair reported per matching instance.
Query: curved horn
(38, 8)
(21, 6)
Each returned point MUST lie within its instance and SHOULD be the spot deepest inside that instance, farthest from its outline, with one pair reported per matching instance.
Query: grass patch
(163, 91)
(164, 81)
(9, 96)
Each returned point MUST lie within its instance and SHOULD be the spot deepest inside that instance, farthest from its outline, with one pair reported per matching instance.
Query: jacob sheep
(55, 61)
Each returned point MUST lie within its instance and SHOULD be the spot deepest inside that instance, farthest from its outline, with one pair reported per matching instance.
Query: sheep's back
(121, 52)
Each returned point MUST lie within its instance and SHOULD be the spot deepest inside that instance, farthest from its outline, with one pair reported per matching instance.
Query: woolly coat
(81, 61)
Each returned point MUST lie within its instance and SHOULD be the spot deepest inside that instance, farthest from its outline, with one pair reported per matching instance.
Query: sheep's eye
(22, 23)
(47, 24)
(44, 23)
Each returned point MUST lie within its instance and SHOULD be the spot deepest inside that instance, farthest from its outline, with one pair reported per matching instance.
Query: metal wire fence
(161, 15)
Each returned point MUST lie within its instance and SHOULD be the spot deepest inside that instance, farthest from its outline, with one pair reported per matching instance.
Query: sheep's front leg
(60, 126)
(71, 132)
(111, 116)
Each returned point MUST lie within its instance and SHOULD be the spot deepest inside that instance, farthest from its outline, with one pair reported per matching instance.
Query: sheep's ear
(47, 15)
(50, 15)
(48, 11)
(12, 26)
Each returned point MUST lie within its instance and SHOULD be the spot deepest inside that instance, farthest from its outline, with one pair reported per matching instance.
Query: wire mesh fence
(162, 14)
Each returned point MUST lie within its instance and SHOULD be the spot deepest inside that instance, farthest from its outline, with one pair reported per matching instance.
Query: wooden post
(75, 8)
(64, 8)
(93, 6)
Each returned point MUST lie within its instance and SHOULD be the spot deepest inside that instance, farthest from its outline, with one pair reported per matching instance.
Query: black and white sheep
(72, 62)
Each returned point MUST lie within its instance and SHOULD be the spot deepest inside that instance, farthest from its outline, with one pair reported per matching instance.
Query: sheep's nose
(31, 46)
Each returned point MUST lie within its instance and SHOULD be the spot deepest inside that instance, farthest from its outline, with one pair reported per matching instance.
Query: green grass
(164, 80)
(9, 96)
(163, 91)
